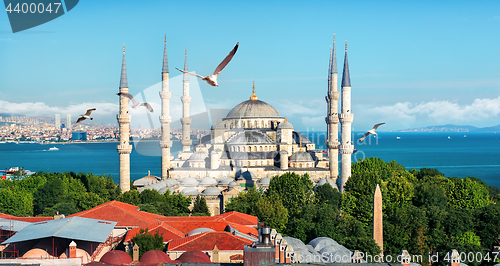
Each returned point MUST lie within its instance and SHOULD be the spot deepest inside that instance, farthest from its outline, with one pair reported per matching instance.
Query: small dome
(218, 125)
(207, 181)
(301, 156)
(265, 181)
(247, 175)
(211, 191)
(198, 156)
(116, 257)
(164, 190)
(327, 180)
(188, 182)
(193, 256)
(225, 182)
(36, 253)
(199, 231)
(190, 191)
(155, 257)
(233, 184)
(285, 125)
(170, 182)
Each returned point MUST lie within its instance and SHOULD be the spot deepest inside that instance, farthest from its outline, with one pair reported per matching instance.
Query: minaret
(378, 232)
(186, 120)
(332, 119)
(124, 148)
(165, 118)
(346, 117)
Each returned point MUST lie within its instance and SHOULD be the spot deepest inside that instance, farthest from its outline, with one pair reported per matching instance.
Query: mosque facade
(249, 146)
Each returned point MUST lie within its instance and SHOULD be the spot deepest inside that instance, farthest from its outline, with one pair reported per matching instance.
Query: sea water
(454, 154)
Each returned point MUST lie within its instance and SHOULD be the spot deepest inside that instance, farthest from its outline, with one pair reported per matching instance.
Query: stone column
(378, 230)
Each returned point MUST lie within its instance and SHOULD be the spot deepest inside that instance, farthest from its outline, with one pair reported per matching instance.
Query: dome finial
(300, 144)
(253, 97)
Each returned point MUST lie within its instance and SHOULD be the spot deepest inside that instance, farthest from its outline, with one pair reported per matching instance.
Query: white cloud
(405, 114)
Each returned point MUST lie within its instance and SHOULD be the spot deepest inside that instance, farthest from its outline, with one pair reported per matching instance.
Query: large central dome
(253, 109)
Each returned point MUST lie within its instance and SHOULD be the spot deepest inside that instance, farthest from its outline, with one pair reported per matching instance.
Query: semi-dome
(171, 182)
(188, 182)
(250, 136)
(164, 190)
(301, 156)
(207, 181)
(247, 175)
(253, 109)
(198, 156)
(327, 180)
(190, 191)
(211, 191)
(225, 181)
(199, 231)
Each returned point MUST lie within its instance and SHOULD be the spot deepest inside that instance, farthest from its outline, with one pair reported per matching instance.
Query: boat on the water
(54, 149)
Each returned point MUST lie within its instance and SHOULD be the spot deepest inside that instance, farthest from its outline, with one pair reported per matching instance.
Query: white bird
(212, 80)
(134, 102)
(85, 116)
(371, 131)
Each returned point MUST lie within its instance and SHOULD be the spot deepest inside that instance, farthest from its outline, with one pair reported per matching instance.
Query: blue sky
(412, 63)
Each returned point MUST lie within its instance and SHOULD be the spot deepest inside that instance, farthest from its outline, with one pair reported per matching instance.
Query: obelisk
(378, 232)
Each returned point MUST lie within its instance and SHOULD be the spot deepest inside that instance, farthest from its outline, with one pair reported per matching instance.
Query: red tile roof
(25, 219)
(238, 218)
(168, 231)
(126, 215)
(236, 257)
(206, 242)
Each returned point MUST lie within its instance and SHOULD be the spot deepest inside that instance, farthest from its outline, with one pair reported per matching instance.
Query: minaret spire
(346, 79)
(165, 118)
(186, 119)
(165, 60)
(332, 118)
(123, 79)
(346, 118)
(124, 148)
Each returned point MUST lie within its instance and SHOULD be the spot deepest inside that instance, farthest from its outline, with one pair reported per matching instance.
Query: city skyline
(412, 64)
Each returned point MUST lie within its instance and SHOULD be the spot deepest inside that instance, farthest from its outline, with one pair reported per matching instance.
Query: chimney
(215, 255)
(72, 249)
(135, 253)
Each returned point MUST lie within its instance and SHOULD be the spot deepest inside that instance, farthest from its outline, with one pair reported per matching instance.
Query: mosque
(253, 143)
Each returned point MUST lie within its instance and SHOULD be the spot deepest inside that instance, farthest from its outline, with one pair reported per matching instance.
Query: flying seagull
(371, 131)
(134, 102)
(212, 80)
(85, 116)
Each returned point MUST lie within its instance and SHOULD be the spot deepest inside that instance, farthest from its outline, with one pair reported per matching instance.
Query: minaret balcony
(335, 95)
(165, 144)
(165, 95)
(346, 118)
(346, 149)
(332, 119)
(165, 119)
(186, 120)
(124, 148)
(186, 142)
(332, 144)
(123, 119)
(186, 99)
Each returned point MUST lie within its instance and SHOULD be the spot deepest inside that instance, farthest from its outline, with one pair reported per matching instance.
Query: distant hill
(452, 128)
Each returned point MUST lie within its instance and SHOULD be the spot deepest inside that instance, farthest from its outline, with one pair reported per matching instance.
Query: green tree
(179, 202)
(469, 238)
(150, 196)
(200, 207)
(487, 224)
(466, 193)
(147, 242)
(16, 202)
(49, 194)
(295, 191)
(246, 202)
(270, 211)
(131, 197)
(327, 194)
(429, 194)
